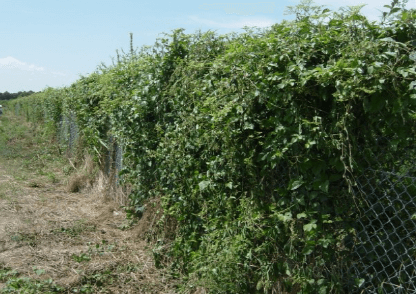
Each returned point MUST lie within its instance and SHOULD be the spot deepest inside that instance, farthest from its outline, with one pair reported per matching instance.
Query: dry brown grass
(47, 234)
(89, 176)
(83, 177)
(49, 227)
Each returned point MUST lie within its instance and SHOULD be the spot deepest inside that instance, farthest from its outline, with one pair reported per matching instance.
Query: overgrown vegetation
(253, 141)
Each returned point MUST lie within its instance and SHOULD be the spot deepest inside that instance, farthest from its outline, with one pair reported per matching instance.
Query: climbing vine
(253, 140)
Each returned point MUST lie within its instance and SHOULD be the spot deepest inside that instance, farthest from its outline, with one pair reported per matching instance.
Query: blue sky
(51, 43)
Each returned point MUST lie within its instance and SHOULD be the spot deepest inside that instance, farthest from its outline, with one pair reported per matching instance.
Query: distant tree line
(8, 96)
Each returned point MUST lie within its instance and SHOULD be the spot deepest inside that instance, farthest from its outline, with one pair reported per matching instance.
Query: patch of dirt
(76, 239)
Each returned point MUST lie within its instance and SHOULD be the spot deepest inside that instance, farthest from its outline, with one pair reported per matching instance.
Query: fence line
(114, 158)
(68, 133)
(384, 240)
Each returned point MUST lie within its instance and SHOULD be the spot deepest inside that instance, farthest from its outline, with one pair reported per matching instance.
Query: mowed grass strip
(57, 240)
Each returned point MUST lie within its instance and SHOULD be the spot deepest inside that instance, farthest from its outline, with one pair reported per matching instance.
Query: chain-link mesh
(108, 160)
(73, 132)
(384, 251)
(68, 132)
(113, 158)
(118, 160)
(68, 138)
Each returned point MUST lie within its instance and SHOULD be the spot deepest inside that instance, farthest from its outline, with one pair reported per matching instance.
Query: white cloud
(245, 21)
(13, 63)
(16, 75)
(57, 73)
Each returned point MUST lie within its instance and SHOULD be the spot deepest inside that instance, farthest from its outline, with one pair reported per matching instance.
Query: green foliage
(80, 258)
(254, 141)
(16, 284)
(9, 96)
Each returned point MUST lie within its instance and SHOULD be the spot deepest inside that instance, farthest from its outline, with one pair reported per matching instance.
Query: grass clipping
(53, 240)
(83, 177)
(90, 177)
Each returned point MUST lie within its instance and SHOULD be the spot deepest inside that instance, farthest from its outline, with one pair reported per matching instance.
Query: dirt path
(78, 240)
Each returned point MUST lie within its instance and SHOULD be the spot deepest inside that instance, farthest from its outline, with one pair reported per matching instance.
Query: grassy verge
(30, 152)
(58, 239)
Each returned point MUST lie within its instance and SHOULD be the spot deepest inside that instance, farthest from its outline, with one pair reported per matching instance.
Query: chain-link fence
(68, 138)
(68, 133)
(113, 161)
(384, 241)
(383, 238)
(118, 160)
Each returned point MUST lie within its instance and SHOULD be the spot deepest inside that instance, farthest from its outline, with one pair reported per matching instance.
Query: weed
(7, 273)
(27, 285)
(52, 177)
(76, 229)
(127, 224)
(17, 284)
(100, 249)
(41, 172)
(80, 258)
(25, 238)
(20, 177)
(100, 279)
(38, 271)
(67, 170)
